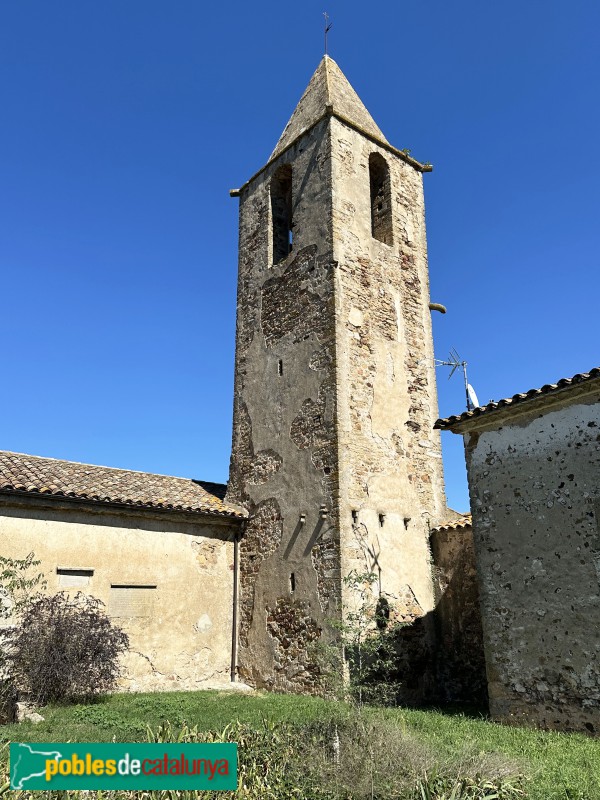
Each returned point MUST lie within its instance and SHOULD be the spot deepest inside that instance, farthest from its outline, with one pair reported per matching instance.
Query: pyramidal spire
(328, 87)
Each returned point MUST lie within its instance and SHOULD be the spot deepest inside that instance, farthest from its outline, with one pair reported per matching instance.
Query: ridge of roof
(446, 423)
(41, 475)
(328, 87)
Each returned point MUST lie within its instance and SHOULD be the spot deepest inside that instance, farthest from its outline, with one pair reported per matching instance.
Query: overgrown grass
(558, 766)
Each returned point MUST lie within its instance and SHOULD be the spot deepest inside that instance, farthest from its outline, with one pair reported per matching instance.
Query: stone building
(160, 552)
(533, 465)
(334, 452)
(336, 469)
(335, 461)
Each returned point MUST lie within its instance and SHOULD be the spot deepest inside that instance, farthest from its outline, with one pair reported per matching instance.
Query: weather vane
(328, 26)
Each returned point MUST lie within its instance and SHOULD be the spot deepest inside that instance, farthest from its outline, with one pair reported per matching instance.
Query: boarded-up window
(281, 212)
(70, 578)
(381, 199)
(131, 600)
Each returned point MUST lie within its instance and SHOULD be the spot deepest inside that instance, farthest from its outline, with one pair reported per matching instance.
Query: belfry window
(381, 199)
(281, 212)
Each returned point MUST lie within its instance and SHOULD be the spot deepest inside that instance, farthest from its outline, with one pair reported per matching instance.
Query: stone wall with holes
(165, 578)
(391, 479)
(284, 456)
(534, 478)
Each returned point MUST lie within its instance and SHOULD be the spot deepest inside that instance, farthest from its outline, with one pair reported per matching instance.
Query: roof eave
(329, 112)
(509, 409)
(115, 505)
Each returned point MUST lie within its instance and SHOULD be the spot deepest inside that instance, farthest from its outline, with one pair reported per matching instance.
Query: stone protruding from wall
(335, 393)
(535, 495)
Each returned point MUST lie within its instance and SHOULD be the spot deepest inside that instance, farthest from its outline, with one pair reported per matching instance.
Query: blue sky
(124, 125)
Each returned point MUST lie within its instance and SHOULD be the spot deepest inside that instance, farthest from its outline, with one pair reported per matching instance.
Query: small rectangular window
(68, 578)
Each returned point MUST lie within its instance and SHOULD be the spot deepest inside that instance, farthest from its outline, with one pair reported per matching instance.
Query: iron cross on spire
(328, 26)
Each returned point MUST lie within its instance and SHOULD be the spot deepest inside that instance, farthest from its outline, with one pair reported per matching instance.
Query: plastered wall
(180, 631)
(390, 456)
(334, 405)
(535, 490)
(284, 456)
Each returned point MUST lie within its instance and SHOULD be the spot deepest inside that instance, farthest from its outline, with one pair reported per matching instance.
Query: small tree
(19, 583)
(367, 636)
(361, 665)
(66, 648)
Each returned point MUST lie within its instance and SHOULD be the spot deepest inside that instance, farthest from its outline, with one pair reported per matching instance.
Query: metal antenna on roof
(328, 27)
(455, 361)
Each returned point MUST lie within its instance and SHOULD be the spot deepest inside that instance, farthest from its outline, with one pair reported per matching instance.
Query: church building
(336, 468)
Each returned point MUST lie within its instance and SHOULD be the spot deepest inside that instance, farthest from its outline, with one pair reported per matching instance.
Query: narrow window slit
(292, 582)
(280, 367)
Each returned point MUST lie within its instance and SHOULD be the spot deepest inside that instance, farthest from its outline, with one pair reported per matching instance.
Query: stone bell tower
(334, 452)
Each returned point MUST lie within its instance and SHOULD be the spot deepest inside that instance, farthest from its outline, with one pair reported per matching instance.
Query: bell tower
(334, 453)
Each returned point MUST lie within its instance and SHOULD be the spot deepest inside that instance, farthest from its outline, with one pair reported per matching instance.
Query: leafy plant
(361, 666)
(19, 583)
(66, 648)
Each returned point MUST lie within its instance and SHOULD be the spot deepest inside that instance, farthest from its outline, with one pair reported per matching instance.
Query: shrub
(66, 648)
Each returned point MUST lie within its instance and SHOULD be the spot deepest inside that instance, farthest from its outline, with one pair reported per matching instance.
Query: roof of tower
(328, 87)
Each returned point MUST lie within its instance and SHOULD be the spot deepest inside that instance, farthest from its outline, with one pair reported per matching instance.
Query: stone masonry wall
(284, 461)
(459, 667)
(535, 498)
(392, 488)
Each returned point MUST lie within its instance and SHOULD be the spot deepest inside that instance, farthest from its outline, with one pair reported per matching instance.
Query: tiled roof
(548, 389)
(455, 524)
(67, 479)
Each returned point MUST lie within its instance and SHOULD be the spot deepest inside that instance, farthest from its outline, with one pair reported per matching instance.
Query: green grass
(560, 766)
(126, 716)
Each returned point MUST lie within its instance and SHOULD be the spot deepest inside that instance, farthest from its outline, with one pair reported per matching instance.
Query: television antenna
(455, 361)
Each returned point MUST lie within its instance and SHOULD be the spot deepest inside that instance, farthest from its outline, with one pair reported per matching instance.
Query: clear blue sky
(124, 124)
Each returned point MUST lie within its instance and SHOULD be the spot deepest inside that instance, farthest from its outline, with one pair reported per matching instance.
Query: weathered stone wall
(334, 403)
(284, 458)
(180, 632)
(390, 456)
(459, 659)
(535, 495)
